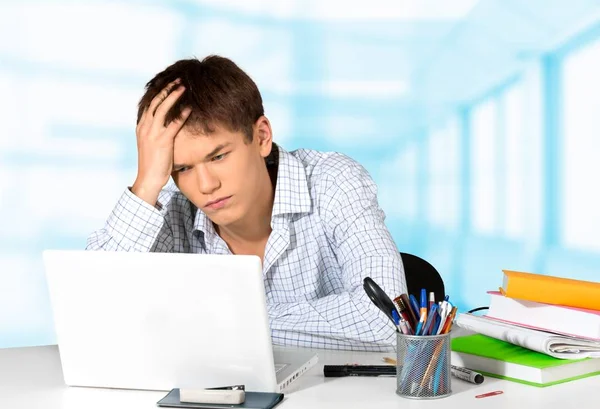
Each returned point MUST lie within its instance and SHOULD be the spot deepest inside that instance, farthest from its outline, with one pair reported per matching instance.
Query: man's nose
(207, 181)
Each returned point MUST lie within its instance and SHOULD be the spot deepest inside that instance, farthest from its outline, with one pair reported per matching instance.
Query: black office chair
(421, 274)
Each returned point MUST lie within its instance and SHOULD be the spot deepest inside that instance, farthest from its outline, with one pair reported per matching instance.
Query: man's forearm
(133, 225)
(341, 321)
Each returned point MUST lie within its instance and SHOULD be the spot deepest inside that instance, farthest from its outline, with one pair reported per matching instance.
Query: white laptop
(159, 321)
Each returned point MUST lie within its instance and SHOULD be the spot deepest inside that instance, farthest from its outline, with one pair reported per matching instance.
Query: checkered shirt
(328, 234)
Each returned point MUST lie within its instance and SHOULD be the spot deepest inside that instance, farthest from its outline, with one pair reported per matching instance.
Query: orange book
(551, 290)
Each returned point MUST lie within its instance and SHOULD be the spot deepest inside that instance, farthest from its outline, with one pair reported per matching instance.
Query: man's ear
(263, 136)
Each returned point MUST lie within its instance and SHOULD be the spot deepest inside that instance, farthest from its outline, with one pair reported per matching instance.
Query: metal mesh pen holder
(423, 370)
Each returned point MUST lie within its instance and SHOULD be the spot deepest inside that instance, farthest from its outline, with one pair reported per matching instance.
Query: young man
(312, 217)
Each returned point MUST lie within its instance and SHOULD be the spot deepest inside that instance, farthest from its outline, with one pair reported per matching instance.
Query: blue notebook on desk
(254, 400)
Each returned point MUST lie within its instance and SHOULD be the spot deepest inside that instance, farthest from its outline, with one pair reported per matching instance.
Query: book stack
(540, 330)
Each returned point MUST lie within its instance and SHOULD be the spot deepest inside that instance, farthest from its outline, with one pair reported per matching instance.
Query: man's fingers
(148, 114)
(142, 122)
(156, 125)
(162, 95)
(166, 105)
(177, 124)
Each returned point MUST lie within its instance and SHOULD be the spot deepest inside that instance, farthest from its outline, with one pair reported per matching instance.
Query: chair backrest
(421, 274)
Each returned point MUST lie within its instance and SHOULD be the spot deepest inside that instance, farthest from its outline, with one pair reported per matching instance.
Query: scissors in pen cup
(379, 298)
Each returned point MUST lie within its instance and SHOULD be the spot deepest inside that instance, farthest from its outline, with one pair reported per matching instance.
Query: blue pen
(423, 314)
(400, 324)
(419, 328)
(446, 298)
(414, 305)
(436, 325)
(396, 319)
(430, 320)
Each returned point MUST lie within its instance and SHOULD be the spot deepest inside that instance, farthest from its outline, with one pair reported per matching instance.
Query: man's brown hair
(218, 91)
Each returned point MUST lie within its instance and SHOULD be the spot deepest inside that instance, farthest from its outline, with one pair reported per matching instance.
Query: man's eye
(219, 157)
(181, 170)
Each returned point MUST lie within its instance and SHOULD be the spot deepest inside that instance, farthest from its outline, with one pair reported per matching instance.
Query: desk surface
(32, 378)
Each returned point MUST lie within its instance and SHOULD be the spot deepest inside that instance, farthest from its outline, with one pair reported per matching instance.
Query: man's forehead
(215, 137)
(190, 142)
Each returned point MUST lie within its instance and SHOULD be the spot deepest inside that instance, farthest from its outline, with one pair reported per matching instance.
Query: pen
(405, 327)
(337, 371)
(423, 312)
(436, 323)
(402, 309)
(396, 319)
(430, 320)
(449, 320)
(411, 312)
(402, 325)
(466, 374)
(414, 307)
(443, 313)
(431, 299)
(419, 329)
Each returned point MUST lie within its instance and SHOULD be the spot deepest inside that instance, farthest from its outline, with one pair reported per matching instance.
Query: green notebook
(500, 359)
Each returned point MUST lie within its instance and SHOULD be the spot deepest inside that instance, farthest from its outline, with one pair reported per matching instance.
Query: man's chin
(222, 218)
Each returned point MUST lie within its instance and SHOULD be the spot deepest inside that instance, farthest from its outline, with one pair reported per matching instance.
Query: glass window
(483, 167)
(398, 193)
(580, 149)
(514, 166)
(443, 160)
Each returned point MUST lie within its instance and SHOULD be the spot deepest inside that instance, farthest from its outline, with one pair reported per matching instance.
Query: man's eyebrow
(179, 166)
(207, 157)
(216, 150)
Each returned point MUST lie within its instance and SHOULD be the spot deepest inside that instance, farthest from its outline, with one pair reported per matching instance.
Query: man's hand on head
(155, 143)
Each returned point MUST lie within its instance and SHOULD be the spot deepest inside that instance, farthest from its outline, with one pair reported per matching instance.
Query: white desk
(32, 378)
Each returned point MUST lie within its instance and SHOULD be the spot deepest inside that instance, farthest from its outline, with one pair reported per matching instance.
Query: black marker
(337, 371)
(467, 375)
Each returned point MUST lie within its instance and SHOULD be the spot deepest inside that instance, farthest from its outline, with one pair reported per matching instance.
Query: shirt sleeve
(355, 227)
(134, 225)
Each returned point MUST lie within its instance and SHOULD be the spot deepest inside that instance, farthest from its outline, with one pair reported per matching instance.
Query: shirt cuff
(134, 223)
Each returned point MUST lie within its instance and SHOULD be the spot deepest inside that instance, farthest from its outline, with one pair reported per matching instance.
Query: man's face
(221, 173)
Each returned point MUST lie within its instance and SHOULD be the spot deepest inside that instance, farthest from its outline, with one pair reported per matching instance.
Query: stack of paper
(571, 321)
(552, 315)
(540, 330)
(555, 345)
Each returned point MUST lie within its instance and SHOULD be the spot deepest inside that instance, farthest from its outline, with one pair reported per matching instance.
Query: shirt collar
(203, 223)
(291, 192)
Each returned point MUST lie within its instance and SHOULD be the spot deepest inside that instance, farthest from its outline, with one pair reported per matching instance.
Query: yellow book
(551, 290)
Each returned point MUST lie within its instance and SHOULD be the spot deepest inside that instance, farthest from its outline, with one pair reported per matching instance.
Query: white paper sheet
(548, 343)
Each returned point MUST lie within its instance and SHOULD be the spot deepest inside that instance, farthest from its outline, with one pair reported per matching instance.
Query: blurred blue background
(479, 121)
